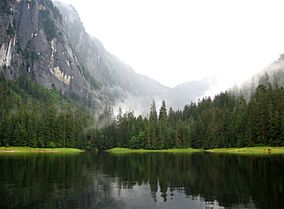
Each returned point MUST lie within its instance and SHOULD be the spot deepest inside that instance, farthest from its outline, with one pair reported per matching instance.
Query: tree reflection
(53, 181)
(231, 180)
(88, 180)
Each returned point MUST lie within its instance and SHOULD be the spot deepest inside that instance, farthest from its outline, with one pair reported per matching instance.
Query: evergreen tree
(153, 126)
(163, 127)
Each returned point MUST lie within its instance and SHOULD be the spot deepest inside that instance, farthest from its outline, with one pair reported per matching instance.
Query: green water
(152, 180)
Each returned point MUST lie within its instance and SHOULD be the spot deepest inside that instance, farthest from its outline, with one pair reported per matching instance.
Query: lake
(152, 180)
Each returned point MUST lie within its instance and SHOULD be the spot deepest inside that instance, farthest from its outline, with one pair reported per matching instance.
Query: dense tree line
(31, 115)
(226, 120)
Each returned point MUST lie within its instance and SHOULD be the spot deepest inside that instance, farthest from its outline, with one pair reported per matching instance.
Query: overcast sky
(174, 41)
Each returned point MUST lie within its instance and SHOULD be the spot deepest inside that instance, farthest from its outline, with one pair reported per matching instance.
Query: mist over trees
(226, 120)
(34, 116)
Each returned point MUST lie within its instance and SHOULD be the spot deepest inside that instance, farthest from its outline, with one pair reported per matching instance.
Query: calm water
(173, 181)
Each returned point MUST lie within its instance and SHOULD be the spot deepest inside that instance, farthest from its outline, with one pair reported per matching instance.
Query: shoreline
(266, 150)
(119, 150)
(7, 150)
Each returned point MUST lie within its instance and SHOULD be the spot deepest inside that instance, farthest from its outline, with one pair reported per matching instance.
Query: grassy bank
(119, 150)
(249, 150)
(244, 150)
(38, 150)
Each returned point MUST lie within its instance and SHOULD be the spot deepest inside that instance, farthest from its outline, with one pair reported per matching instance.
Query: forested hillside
(56, 80)
(31, 115)
(34, 116)
(224, 121)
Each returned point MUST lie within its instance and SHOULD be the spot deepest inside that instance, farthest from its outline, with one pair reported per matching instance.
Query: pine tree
(262, 112)
(70, 129)
(153, 126)
(163, 126)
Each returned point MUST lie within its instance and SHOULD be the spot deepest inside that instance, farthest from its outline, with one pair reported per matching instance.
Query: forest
(33, 116)
(226, 120)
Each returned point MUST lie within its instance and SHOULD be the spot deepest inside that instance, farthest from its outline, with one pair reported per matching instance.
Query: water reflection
(155, 180)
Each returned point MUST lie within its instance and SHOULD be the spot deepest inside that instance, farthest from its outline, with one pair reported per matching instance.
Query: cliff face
(53, 49)
(109, 76)
(33, 43)
(47, 42)
(119, 81)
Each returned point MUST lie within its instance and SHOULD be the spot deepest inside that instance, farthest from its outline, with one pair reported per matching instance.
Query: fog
(176, 41)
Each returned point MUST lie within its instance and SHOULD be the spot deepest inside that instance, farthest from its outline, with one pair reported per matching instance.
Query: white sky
(174, 41)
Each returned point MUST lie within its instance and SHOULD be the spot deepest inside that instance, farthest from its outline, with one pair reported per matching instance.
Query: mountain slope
(33, 43)
(116, 79)
(136, 91)
(272, 75)
(49, 45)
(189, 92)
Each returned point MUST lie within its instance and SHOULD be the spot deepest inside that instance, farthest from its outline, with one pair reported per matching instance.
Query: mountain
(48, 43)
(120, 81)
(272, 75)
(114, 79)
(189, 92)
(34, 44)
(53, 74)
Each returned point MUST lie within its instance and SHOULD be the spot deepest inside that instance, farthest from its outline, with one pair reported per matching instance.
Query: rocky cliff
(47, 42)
(34, 43)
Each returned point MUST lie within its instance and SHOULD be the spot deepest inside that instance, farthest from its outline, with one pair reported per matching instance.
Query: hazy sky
(174, 41)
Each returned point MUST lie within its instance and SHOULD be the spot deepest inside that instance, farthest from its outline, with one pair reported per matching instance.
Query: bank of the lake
(38, 150)
(119, 150)
(249, 150)
(243, 150)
